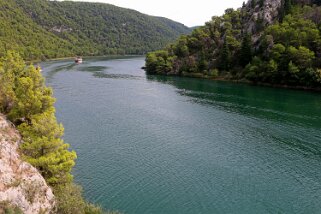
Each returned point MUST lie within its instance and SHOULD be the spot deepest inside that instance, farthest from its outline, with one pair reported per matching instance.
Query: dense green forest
(41, 29)
(18, 32)
(265, 41)
(29, 104)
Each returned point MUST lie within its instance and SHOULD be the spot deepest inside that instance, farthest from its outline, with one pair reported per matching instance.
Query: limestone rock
(260, 16)
(21, 185)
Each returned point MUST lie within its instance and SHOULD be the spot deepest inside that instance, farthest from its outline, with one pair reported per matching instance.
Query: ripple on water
(182, 145)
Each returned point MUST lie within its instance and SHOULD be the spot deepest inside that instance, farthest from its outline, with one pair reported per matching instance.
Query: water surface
(154, 144)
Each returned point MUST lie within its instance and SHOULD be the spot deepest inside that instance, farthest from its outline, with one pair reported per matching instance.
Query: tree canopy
(27, 102)
(286, 52)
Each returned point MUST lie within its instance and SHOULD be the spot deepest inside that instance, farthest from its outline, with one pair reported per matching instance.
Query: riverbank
(241, 81)
(84, 57)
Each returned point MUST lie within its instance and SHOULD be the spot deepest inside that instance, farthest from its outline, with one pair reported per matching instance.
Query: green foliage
(11, 66)
(254, 69)
(225, 57)
(158, 62)
(295, 31)
(213, 73)
(251, 71)
(287, 6)
(41, 29)
(70, 201)
(181, 49)
(7, 208)
(32, 96)
(20, 33)
(44, 148)
(202, 64)
(302, 56)
(283, 53)
(277, 52)
(271, 66)
(293, 69)
(246, 50)
(203, 51)
(29, 103)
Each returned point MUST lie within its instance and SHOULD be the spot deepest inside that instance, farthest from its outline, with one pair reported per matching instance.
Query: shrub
(70, 201)
(7, 208)
(213, 73)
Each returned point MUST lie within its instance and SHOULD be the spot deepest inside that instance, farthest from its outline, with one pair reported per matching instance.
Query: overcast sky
(188, 12)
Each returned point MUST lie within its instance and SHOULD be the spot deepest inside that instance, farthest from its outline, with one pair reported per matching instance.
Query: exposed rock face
(61, 29)
(21, 185)
(270, 10)
(265, 14)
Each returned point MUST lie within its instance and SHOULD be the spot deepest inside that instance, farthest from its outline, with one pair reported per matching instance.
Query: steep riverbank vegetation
(41, 29)
(29, 104)
(266, 41)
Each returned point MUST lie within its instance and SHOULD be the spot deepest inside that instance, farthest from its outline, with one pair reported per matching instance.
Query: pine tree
(202, 62)
(11, 66)
(287, 6)
(44, 148)
(225, 57)
(246, 50)
(28, 102)
(285, 9)
(32, 96)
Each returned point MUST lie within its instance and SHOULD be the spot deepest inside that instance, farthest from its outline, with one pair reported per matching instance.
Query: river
(170, 145)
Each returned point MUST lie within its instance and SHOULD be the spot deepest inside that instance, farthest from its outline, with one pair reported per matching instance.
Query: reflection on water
(283, 106)
(93, 68)
(279, 104)
(157, 144)
(116, 76)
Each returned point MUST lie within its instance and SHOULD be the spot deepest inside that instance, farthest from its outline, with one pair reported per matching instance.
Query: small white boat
(78, 60)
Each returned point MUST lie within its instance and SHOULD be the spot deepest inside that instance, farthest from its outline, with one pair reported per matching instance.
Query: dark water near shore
(177, 145)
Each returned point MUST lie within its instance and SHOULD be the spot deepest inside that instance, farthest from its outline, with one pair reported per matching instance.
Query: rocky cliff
(21, 185)
(259, 14)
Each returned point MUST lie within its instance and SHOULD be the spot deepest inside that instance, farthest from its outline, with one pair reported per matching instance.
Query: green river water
(167, 145)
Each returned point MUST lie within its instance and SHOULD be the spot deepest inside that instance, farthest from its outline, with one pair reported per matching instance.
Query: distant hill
(50, 29)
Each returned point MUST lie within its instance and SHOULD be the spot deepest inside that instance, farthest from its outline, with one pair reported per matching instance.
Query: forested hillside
(40, 29)
(265, 41)
(20, 33)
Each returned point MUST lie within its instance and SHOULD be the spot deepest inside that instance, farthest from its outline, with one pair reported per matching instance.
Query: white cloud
(190, 13)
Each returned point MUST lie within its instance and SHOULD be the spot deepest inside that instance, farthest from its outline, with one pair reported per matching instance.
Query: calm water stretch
(163, 145)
